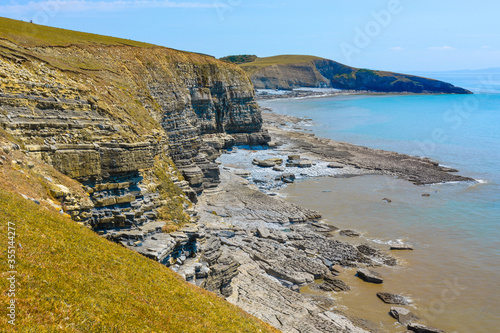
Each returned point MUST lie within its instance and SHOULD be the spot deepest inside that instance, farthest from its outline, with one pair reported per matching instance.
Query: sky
(395, 35)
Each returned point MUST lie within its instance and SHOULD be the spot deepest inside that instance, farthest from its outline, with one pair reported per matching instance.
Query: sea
(453, 275)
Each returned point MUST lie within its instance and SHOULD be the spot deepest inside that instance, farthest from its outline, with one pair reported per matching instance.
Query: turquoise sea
(457, 231)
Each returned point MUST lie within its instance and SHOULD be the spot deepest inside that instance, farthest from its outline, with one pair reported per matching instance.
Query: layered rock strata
(101, 114)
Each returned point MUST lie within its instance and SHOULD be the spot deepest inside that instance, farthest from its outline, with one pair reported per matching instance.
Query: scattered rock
(404, 316)
(386, 200)
(243, 173)
(203, 272)
(419, 328)
(392, 298)
(401, 247)
(276, 161)
(288, 177)
(278, 168)
(263, 232)
(337, 269)
(349, 233)
(332, 283)
(367, 250)
(304, 164)
(294, 157)
(426, 195)
(226, 233)
(266, 164)
(189, 273)
(369, 276)
(334, 165)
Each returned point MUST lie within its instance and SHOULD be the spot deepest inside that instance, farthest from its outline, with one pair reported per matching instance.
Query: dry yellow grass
(71, 280)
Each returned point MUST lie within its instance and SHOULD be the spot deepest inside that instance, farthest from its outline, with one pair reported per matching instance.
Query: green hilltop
(30, 34)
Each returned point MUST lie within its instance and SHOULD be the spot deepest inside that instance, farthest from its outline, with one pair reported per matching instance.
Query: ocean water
(453, 276)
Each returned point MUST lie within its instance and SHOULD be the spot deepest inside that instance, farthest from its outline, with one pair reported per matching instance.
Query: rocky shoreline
(259, 251)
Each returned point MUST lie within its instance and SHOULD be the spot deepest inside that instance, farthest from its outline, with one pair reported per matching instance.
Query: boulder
(369, 276)
(189, 273)
(226, 233)
(392, 298)
(334, 165)
(278, 168)
(263, 232)
(276, 161)
(242, 173)
(349, 233)
(387, 200)
(304, 164)
(288, 177)
(266, 164)
(331, 283)
(203, 272)
(337, 269)
(426, 195)
(294, 157)
(401, 247)
(402, 315)
(419, 328)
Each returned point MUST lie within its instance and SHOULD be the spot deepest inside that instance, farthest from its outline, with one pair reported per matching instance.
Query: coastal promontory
(298, 71)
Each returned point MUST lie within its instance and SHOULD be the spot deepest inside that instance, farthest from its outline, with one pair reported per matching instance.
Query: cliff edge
(107, 111)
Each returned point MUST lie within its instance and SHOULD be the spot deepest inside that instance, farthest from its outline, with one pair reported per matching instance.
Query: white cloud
(397, 48)
(485, 47)
(54, 6)
(445, 47)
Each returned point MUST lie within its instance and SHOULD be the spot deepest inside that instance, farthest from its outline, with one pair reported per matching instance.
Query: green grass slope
(71, 280)
(259, 63)
(30, 34)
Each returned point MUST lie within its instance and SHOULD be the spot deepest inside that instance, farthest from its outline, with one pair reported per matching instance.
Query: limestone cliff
(295, 71)
(106, 111)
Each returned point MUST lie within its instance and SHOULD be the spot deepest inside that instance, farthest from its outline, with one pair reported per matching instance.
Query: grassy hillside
(38, 35)
(71, 280)
(259, 63)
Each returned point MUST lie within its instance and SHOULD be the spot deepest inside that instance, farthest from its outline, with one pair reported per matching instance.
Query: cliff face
(289, 72)
(107, 113)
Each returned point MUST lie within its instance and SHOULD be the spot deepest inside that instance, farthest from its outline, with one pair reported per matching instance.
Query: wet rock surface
(369, 276)
(392, 298)
(419, 328)
(414, 169)
(404, 316)
(266, 260)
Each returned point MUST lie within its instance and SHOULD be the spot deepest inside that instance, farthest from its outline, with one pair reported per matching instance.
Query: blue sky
(398, 35)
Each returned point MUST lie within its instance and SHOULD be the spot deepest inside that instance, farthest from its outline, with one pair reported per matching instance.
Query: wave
(399, 241)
